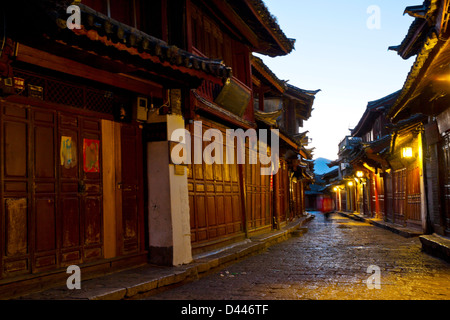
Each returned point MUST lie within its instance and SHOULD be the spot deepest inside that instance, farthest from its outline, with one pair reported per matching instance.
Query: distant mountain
(320, 166)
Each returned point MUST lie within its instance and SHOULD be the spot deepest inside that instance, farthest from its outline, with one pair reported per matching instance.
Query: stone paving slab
(403, 231)
(433, 244)
(330, 262)
(132, 283)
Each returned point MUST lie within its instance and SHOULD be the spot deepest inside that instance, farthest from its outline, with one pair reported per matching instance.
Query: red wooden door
(132, 188)
(374, 204)
(44, 180)
(258, 196)
(413, 205)
(51, 212)
(399, 192)
(445, 169)
(283, 191)
(80, 188)
(343, 195)
(389, 197)
(381, 196)
(15, 213)
(215, 197)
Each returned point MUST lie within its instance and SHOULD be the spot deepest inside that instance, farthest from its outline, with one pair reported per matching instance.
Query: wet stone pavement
(329, 262)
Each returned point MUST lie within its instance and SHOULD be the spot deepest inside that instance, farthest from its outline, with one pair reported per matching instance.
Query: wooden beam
(53, 62)
(236, 20)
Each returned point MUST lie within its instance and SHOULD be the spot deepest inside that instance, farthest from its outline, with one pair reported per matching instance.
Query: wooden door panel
(44, 188)
(130, 213)
(228, 209)
(413, 195)
(131, 185)
(70, 205)
(220, 210)
(44, 146)
(399, 192)
(215, 198)
(16, 227)
(16, 256)
(445, 165)
(92, 220)
(210, 200)
(70, 213)
(45, 215)
(48, 219)
(15, 150)
(201, 211)
(89, 188)
(15, 202)
(192, 211)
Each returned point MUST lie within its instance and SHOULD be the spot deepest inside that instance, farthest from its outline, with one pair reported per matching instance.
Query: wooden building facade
(425, 92)
(405, 168)
(382, 180)
(87, 117)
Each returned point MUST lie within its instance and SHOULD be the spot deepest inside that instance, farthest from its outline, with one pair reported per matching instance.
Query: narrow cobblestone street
(329, 262)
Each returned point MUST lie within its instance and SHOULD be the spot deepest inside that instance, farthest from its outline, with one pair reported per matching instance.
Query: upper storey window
(120, 10)
(140, 14)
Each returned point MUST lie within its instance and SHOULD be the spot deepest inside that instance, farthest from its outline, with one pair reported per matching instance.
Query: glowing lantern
(407, 153)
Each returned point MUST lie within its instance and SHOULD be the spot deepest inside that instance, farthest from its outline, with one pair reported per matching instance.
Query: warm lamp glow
(407, 153)
(359, 174)
(350, 184)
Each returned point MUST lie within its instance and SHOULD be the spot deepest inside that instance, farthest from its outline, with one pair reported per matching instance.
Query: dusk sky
(338, 53)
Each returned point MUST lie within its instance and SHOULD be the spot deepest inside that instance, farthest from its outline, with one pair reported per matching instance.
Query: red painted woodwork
(259, 197)
(399, 190)
(132, 188)
(123, 11)
(297, 201)
(445, 167)
(51, 214)
(379, 185)
(413, 195)
(389, 197)
(407, 196)
(210, 41)
(97, 5)
(214, 198)
(283, 191)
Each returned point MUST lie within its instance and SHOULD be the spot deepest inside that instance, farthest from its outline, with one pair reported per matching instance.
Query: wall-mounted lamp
(350, 183)
(407, 153)
(360, 174)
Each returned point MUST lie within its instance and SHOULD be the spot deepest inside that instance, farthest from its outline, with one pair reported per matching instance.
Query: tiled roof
(419, 29)
(261, 68)
(106, 36)
(273, 25)
(265, 25)
(375, 108)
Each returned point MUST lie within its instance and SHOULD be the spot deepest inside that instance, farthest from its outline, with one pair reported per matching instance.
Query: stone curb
(436, 245)
(404, 232)
(132, 284)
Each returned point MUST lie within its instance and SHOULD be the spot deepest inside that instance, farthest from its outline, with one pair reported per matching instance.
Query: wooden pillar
(244, 199)
(276, 200)
(111, 198)
(261, 98)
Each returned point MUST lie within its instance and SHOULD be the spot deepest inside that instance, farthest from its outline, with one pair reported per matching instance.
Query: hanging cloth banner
(91, 155)
(68, 153)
